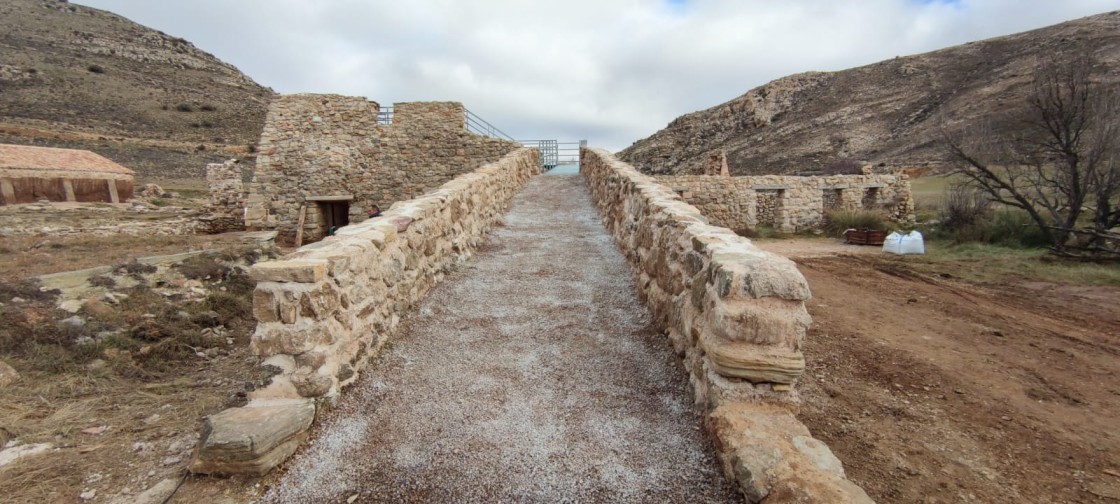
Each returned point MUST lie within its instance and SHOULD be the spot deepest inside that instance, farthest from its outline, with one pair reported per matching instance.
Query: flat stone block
(774, 458)
(253, 439)
(299, 270)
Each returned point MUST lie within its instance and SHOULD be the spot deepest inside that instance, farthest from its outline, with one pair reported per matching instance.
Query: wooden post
(299, 227)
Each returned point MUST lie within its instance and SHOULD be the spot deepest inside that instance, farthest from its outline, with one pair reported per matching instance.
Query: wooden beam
(299, 227)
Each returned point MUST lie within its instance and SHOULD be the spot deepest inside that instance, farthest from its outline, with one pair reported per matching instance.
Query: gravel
(532, 374)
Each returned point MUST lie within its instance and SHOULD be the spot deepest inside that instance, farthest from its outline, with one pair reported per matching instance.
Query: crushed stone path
(531, 374)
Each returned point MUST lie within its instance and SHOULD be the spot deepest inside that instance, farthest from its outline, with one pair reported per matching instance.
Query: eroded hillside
(888, 112)
(79, 77)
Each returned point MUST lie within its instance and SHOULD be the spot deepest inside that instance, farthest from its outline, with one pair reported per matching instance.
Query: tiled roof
(49, 158)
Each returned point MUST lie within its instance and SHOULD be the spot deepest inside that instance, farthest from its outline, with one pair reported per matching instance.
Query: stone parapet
(790, 203)
(735, 313)
(325, 309)
(316, 149)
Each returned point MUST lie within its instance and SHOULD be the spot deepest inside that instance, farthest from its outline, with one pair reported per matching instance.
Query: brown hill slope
(79, 77)
(888, 112)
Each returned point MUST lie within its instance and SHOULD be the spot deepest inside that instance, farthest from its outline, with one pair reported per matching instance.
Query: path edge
(737, 317)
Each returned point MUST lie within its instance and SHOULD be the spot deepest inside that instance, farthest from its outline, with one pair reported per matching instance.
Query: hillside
(79, 77)
(886, 113)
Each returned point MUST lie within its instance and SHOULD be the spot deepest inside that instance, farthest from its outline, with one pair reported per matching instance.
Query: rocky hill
(888, 113)
(79, 77)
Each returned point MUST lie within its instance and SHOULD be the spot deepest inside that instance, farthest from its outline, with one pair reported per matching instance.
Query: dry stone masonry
(789, 203)
(736, 314)
(225, 212)
(325, 309)
(329, 155)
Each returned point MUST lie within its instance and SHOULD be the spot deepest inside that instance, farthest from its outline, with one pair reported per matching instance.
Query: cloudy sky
(610, 71)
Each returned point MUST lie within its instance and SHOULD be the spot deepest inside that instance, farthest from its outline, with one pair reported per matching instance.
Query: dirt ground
(118, 389)
(934, 390)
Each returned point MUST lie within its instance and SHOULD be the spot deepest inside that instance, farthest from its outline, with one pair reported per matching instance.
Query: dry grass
(152, 381)
(26, 256)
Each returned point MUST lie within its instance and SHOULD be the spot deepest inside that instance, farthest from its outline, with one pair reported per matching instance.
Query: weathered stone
(774, 458)
(252, 439)
(790, 203)
(347, 157)
(8, 374)
(756, 363)
(300, 271)
(736, 315)
(310, 383)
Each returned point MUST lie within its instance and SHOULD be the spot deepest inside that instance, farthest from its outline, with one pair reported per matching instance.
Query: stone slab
(299, 271)
(252, 439)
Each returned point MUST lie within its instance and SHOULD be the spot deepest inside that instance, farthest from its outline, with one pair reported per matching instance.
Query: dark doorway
(335, 214)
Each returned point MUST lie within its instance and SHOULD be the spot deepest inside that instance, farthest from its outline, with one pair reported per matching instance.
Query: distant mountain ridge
(887, 113)
(80, 77)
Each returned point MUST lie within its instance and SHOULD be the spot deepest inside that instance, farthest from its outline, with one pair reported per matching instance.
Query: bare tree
(1062, 160)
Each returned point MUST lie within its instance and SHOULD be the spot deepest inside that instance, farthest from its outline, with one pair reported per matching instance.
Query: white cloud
(610, 71)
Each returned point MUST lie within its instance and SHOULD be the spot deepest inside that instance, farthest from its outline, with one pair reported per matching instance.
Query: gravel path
(532, 374)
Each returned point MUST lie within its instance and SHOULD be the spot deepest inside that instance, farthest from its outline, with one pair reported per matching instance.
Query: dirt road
(533, 374)
(931, 390)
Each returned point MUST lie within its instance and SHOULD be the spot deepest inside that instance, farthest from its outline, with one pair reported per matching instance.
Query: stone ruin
(226, 210)
(788, 203)
(325, 159)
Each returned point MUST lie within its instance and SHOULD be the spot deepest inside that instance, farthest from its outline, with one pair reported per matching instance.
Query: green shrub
(836, 221)
(184, 107)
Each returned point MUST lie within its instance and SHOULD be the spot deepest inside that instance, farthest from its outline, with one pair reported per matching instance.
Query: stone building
(790, 203)
(29, 174)
(324, 159)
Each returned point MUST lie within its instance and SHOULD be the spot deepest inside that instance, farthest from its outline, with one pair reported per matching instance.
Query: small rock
(88, 494)
(141, 447)
(352, 499)
(95, 431)
(170, 461)
(71, 305)
(96, 365)
(8, 374)
(11, 453)
(97, 307)
(1005, 418)
(152, 419)
(94, 478)
(157, 494)
(75, 321)
(18, 300)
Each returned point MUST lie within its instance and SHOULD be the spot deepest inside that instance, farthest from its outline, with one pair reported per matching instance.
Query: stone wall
(225, 211)
(789, 203)
(736, 314)
(323, 150)
(323, 310)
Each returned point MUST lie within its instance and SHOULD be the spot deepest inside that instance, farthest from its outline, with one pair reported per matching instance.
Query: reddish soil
(932, 390)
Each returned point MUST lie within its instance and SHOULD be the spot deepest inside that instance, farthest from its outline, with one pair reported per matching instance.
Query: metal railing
(479, 126)
(555, 153)
(385, 115)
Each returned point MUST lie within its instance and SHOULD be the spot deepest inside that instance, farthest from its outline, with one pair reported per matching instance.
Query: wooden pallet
(864, 236)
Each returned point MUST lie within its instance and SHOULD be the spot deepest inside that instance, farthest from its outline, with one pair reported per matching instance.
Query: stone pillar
(8, 191)
(783, 219)
(69, 187)
(113, 191)
(717, 164)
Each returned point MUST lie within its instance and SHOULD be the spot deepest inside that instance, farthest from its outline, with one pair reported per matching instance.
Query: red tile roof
(49, 158)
